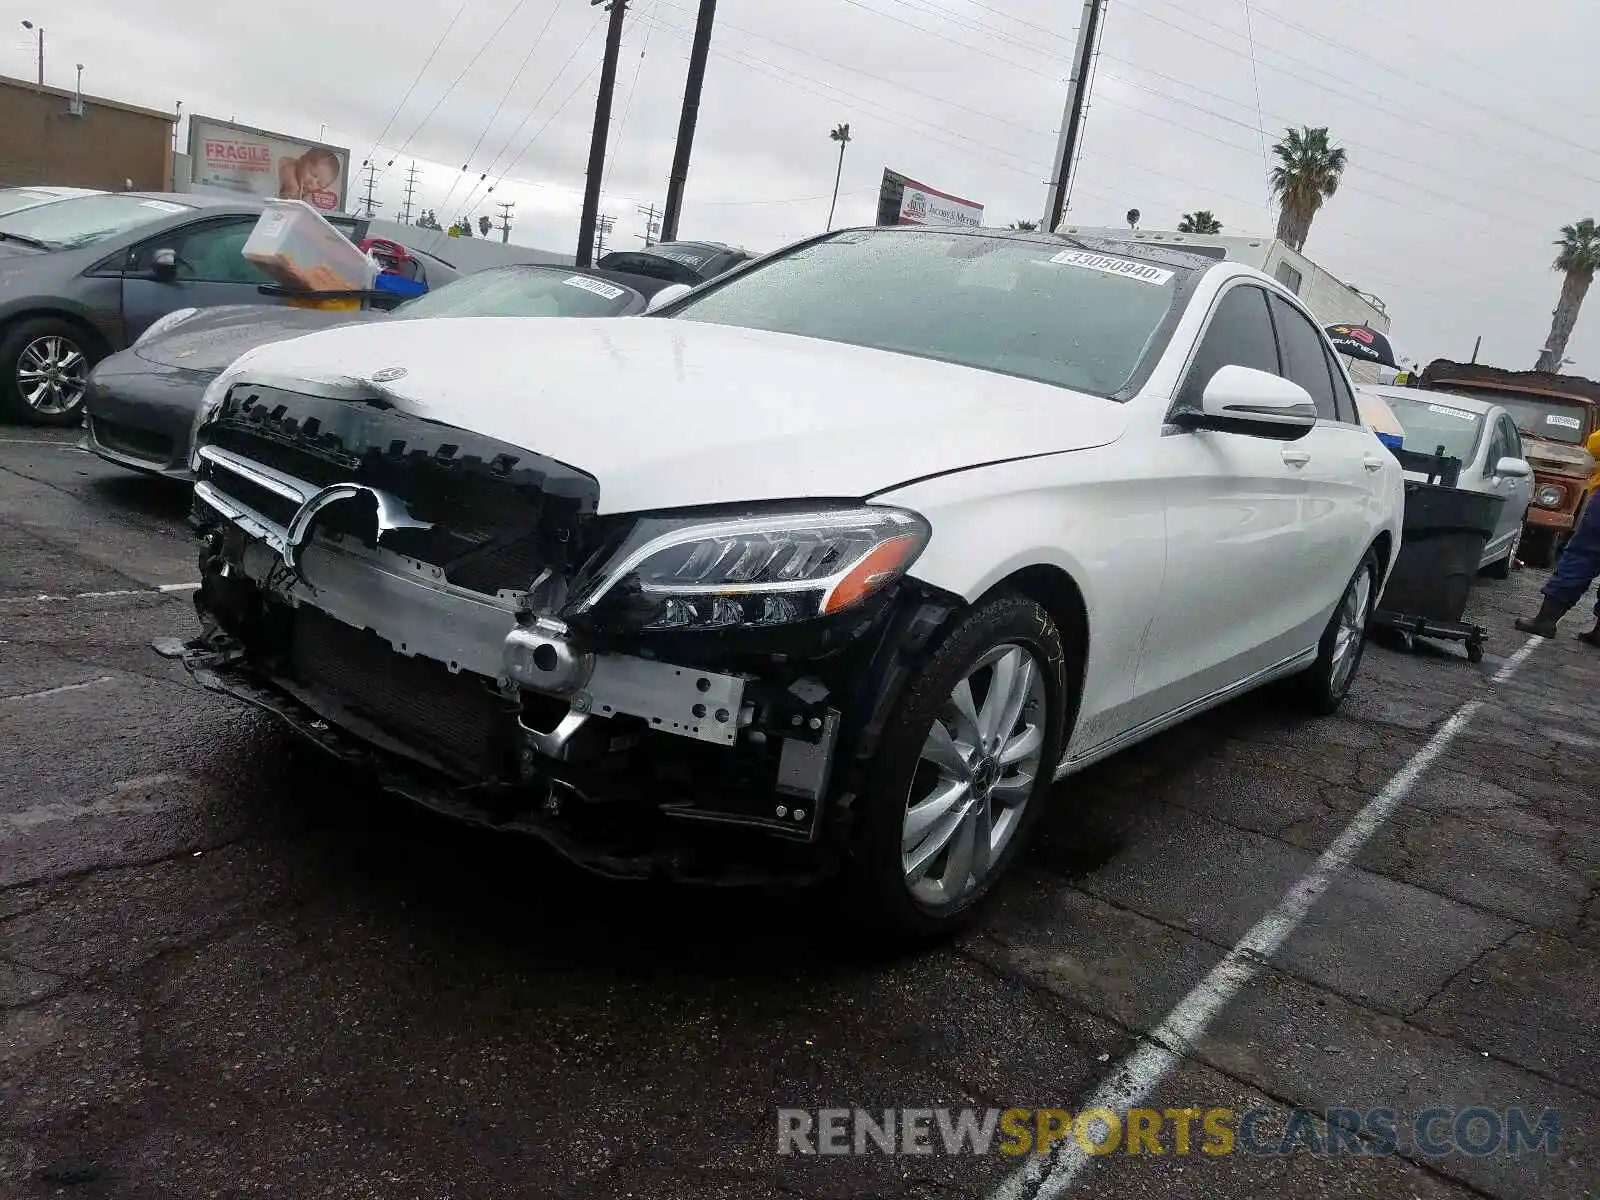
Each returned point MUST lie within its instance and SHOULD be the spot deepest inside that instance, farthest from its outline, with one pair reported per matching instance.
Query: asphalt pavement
(227, 969)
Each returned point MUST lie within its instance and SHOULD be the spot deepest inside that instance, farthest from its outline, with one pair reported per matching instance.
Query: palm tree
(840, 134)
(1308, 172)
(1025, 226)
(1202, 221)
(1578, 255)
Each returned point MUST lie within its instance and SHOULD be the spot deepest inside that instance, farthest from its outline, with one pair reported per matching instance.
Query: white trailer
(1330, 299)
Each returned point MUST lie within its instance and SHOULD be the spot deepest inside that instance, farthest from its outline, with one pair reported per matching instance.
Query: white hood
(669, 413)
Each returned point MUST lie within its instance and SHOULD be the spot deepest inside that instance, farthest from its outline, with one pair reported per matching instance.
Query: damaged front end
(681, 695)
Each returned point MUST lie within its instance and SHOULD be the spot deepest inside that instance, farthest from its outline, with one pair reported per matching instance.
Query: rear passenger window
(1240, 335)
(1303, 359)
(1343, 399)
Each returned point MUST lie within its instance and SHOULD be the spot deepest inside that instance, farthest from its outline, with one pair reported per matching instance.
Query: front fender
(1077, 513)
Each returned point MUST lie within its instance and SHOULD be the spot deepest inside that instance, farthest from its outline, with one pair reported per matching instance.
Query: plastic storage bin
(292, 243)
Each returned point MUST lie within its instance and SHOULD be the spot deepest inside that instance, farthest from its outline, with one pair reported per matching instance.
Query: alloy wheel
(975, 776)
(52, 375)
(1352, 630)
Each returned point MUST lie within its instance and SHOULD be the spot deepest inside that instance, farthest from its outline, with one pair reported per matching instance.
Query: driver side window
(1239, 335)
(210, 252)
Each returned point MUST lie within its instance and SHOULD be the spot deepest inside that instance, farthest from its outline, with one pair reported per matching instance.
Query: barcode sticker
(599, 288)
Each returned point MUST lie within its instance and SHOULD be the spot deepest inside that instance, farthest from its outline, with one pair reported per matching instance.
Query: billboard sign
(252, 162)
(903, 201)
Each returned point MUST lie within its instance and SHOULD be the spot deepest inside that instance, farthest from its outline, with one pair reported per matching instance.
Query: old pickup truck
(1555, 415)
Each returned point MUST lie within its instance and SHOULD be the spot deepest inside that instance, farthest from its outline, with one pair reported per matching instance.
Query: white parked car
(1480, 435)
(839, 561)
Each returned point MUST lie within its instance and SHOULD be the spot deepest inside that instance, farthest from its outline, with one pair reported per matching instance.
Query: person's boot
(1544, 624)
(1593, 636)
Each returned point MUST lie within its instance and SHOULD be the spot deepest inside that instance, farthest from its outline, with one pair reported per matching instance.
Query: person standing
(1576, 569)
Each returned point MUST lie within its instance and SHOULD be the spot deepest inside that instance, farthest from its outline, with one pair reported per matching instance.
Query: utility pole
(602, 126)
(411, 190)
(652, 224)
(505, 220)
(699, 49)
(1072, 116)
(372, 182)
(39, 29)
(603, 227)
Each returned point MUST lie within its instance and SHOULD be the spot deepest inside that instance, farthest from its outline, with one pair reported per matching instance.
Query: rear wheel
(963, 771)
(44, 371)
(1327, 682)
(1502, 568)
(1539, 547)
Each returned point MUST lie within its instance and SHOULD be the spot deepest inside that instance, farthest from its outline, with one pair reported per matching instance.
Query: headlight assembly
(1551, 496)
(750, 571)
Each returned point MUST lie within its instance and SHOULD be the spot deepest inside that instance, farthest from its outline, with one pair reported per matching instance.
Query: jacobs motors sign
(904, 201)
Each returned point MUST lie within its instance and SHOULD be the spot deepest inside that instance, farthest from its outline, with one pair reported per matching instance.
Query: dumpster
(1442, 538)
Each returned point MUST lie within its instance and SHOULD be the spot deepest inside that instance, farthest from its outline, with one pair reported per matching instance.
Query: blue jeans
(1579, 564)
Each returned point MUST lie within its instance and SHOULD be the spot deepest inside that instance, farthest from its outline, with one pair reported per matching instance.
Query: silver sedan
(1484, 437)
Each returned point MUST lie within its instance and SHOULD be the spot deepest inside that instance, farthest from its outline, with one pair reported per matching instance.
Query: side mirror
(666, 296)
(1256, 403)
(164, 265)
(1513, 468)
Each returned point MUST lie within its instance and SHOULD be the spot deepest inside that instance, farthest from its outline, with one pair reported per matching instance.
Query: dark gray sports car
(141, 402)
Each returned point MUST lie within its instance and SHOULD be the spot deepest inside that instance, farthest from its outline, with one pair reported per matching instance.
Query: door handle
(1371, 463)
(1297, 458)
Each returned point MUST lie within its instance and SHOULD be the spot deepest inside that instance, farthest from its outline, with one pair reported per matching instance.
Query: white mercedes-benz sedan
(830, 567)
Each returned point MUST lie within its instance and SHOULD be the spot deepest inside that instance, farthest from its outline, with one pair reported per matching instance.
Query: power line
(1394, 109)
(877, 76)
(627, 104)
(505, 207)
(1456, 97)
(423, 70)
(462, 74)
(534, 108)
(515, 79)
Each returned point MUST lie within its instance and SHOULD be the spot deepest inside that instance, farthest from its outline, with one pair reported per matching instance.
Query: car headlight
(1550, 496)
(694, 573)
(211, 400)
(163, 324)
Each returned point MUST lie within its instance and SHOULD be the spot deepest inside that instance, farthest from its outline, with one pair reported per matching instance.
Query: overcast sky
(1471, 141)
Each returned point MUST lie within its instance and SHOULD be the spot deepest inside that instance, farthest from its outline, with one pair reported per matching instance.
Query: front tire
(1326, 683)
(960, 776)
(44, 371)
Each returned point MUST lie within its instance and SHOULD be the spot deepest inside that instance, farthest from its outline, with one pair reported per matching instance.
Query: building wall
(109, 146)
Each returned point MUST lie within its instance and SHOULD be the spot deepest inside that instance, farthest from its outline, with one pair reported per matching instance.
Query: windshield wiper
(25, 241)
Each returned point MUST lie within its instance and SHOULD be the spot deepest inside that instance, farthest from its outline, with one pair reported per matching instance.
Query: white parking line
(165, 589)
(1160, 1052)
(56, 691)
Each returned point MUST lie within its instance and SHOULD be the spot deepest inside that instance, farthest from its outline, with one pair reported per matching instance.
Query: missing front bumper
(613, 841)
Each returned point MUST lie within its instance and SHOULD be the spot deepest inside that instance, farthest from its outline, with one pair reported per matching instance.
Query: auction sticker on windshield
(1459, 414)
(1564, 422)
(609, 291)
(1107, 264)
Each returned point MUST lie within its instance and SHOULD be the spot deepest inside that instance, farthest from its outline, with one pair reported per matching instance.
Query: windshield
(1039, 310)
(70, 224)
(1428, 425)
(522, 292)
(1541, 416)
(11, 199)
